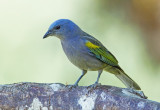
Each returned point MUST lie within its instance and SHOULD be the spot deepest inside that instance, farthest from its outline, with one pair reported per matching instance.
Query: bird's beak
(48, 33)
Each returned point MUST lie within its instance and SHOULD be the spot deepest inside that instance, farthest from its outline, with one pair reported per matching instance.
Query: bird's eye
(57, 27)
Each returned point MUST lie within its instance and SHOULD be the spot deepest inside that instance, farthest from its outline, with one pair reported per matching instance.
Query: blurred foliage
(129, 29)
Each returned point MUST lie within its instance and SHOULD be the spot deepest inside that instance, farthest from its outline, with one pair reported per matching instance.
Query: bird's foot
(93, 86)
(71, 86)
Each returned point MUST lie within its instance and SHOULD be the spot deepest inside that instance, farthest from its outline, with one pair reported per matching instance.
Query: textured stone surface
(40, 96)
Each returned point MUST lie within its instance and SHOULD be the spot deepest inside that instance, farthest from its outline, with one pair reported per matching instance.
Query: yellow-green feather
(91, 45)
(102, 54)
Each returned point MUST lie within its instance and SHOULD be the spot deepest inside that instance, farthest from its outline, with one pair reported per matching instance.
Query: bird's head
(63, 29)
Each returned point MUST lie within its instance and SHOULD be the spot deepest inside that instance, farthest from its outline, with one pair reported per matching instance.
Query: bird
(86, 52)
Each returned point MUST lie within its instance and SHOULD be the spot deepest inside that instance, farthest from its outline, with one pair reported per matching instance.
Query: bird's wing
(97, 49)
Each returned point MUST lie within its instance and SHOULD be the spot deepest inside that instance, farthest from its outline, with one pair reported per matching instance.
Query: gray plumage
(86, 52)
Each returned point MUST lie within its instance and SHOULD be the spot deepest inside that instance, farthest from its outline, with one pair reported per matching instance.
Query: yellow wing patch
(91, 45)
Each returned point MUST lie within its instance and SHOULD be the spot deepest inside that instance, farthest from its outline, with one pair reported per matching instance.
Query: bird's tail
(127, 81)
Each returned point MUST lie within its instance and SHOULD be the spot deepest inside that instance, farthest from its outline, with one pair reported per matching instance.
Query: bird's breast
(80, 57)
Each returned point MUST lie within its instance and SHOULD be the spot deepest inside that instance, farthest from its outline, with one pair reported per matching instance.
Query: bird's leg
(93, 86)
(99, 74)
(83, 73)
(96, 83)
(76, 83)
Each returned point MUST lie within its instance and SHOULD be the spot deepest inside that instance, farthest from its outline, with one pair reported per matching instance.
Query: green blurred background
(128, 28)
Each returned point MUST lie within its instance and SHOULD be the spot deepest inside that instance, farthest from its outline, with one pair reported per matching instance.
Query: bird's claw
(93, 86)
(71, 86)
